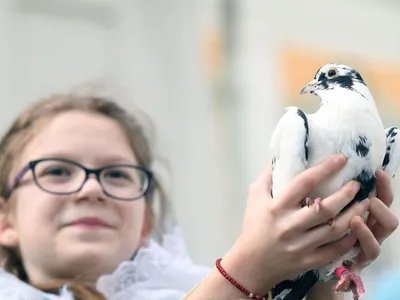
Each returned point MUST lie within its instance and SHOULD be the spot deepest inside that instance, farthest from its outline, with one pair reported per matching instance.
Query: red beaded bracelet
(235, 283)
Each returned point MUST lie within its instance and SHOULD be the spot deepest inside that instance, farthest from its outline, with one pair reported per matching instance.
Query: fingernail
(379, 173)
(365, 202)
(340, 159)
(355, 186)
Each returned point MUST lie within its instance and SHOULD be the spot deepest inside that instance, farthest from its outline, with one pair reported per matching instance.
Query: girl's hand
(382, 222)
(281, 239)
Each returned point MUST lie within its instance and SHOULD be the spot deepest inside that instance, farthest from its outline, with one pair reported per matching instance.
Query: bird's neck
(363, 90)
(358, 90)
(345, 101)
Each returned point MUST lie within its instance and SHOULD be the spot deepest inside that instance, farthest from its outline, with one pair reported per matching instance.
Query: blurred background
(214, 75)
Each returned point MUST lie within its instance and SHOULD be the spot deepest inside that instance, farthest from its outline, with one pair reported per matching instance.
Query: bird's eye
(331, 73)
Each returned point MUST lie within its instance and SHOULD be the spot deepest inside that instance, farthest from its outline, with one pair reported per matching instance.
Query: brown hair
(33, 119)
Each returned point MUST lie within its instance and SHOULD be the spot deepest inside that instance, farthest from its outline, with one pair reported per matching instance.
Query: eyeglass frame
(30, 166)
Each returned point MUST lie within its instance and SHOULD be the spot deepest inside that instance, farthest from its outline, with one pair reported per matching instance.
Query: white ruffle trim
(158, 272)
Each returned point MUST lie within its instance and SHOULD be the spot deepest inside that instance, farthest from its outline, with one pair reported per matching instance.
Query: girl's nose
(91, 190)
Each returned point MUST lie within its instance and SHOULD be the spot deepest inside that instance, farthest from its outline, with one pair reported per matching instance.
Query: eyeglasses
(62, 177)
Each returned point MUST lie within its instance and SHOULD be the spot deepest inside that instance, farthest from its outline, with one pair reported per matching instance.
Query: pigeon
(347, 122)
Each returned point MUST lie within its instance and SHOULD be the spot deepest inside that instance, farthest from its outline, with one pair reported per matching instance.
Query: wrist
(247, 270)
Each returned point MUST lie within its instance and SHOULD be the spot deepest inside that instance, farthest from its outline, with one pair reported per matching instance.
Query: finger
(263, 182)
(384, 189)
(371, 222)
(329, 208)
(266, 175)
(386, 221)
(324, 234)
(304, 183)
(383, 215)
(370, 247)
(330, 252)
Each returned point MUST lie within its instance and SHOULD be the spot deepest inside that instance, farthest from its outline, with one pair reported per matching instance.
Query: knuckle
(274, 208)
(393, 225)
(336, 231)
(253, 189)
(375, 253)
(309, 182)
(329, 212)
(292, 249)
(284, 231)
(308, 262)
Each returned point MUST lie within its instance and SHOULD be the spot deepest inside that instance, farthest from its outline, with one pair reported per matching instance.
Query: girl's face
(46, 228)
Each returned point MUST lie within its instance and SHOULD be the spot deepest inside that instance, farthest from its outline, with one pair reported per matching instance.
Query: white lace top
(158, 272)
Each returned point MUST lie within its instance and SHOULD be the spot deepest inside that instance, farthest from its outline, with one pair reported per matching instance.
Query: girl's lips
(89, 222)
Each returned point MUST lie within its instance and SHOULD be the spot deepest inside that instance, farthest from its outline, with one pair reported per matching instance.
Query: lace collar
(158, 272)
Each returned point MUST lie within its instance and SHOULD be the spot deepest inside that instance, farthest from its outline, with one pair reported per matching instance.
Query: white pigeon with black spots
(347, 122)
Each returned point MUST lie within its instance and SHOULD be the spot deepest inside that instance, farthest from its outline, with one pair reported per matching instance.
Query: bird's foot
(349, 281)
(317, 202)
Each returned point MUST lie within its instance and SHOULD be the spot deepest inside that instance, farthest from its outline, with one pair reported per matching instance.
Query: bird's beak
(310, 87)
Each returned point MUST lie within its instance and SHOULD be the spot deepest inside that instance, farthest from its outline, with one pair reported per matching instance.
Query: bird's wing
(391, 162)
(289, 146)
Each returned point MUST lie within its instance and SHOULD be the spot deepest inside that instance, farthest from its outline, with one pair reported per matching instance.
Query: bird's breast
(361, 137)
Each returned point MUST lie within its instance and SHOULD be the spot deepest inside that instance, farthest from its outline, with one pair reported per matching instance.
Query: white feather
(392, 157)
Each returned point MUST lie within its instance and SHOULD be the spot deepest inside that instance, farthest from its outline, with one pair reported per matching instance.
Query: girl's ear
(8, 234)
(148, 224)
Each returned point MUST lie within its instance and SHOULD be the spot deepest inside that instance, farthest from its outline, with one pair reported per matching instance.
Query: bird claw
(349, 281)
(316, 202)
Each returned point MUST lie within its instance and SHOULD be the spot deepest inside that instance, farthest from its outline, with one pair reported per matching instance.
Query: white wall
(216, 148)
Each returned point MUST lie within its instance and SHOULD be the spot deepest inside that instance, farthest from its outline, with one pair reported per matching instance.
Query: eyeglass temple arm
(17, 179)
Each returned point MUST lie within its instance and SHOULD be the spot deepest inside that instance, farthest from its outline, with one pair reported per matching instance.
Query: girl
(76, 217)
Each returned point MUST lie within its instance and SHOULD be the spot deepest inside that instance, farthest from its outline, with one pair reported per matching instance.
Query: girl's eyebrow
(118, 159)
(101, 159)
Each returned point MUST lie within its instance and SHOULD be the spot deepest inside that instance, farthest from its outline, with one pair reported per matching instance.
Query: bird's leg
(309, 201)
(348, 280)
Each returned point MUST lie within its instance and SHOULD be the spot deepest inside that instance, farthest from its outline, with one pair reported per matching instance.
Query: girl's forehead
(81, 136)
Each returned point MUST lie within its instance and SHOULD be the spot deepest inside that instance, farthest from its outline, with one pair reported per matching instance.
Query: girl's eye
(120, 174)
(116, 174)
(56, 172)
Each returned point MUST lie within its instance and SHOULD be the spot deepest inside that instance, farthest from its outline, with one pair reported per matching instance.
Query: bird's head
(336, 76)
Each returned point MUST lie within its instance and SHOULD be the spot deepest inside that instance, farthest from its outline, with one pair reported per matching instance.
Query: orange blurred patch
(212, 50)
(299, 65)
